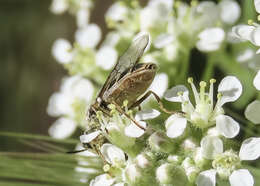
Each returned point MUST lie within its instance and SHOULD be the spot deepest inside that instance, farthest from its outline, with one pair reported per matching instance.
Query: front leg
(121, 111)
(138, 102)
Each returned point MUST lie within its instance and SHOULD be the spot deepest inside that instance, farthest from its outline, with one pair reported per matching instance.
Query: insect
(127, 81)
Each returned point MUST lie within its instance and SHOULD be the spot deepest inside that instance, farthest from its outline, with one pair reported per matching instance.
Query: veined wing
(127, 60)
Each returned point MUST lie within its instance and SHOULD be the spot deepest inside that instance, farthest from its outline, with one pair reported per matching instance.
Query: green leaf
(48, 169)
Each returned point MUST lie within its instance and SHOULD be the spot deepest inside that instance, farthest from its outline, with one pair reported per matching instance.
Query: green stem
(37, 137)
(209, 70)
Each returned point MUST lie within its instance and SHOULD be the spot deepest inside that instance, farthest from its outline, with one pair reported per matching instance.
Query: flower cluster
(192, 147)
(251, 33)
(181, 28)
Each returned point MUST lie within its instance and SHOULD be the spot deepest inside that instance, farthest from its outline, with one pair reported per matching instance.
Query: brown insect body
(132, 85)
(127, 81)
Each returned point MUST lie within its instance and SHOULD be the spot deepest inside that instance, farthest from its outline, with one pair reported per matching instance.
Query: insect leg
(121, 111)
(138, 102)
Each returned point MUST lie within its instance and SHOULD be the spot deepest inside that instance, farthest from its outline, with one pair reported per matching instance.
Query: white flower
(155, 14)
(59, 6)
(227, 126)
(211, 146)
(102, 180)
(241, 177)
(86, 138)
(250, 149)
(175, 126)
(257, 5)
(256, 81)
(207, 178)
(62, 128)
(243, 32)
(117, 12)
(226, 165)
(147, 114)
(88, 36)
(61, 50)
(113, 154)
(248, 33)
(252, 112)
(106, 57)
(133, 130)
(82, 17)
(210, 39)
(159, 84)
(74, 90)
(229, 11)
(163, 40)
(204, 114)
(245, 55)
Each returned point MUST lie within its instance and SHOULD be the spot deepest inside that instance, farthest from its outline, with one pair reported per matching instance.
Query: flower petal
(206, 178)
(255, 37)
(230, 88)
(61, 51)
(211, 146)
(86, 138)
(147, 114)
(59, 6)
(89, 36)
(103, 179)
(134, 131)
(227, 126)
(252, 112)
(241, 177)
(175, 126)
(62, 128)
(256, 81)
(210, 39)
(257, 5)
(83, 17)
(163, 40)
(243, 32)
(116, 12)
(106, 57)
(159, 84)
(172, 94)
(245, 55)
(112, 154)
(229, 11)
(250, 149)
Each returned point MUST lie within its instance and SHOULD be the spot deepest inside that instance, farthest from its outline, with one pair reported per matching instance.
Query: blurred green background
(29, 74)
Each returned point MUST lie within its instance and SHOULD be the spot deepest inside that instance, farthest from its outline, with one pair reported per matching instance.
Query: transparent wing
(127, 60)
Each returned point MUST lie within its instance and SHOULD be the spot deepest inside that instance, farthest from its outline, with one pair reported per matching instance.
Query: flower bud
(171, 174)
(159, 142)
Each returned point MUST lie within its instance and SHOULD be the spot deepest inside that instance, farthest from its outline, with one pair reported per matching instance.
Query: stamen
(112, 108)
(106, 167)
(203, 84)
(181, 96)
(219, 95)
(252, 23)
(194, 90)
(211, 90)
